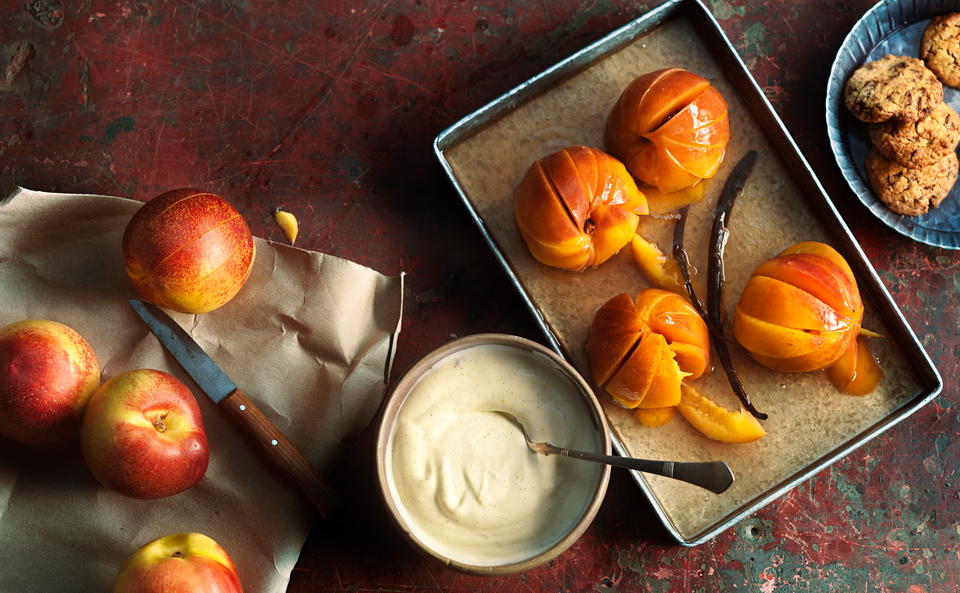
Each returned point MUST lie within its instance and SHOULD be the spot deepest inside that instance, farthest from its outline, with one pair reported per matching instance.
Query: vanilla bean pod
(718, 239)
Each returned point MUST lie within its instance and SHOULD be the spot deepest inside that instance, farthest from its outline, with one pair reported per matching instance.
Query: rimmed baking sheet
(810, 425)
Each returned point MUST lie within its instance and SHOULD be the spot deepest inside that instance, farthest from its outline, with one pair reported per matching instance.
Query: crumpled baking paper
(309, 338)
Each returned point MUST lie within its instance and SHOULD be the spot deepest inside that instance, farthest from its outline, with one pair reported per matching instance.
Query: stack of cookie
(913, 164)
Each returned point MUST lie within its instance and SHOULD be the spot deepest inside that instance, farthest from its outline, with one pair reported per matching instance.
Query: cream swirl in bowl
(458, 478)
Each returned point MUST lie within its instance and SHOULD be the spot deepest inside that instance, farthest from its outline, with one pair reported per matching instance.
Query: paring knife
(281, 453)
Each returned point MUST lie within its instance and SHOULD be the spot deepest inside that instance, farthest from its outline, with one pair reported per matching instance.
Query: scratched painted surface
(329, 108)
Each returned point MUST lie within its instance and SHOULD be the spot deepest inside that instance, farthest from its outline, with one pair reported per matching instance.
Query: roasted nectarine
(639, 352)
(577, 207)
(801, 310)
(188, 250)
(670, 128)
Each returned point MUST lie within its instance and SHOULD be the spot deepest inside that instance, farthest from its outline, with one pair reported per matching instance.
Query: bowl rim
(401, 390)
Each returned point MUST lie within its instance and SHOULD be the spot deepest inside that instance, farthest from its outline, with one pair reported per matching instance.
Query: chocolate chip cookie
(919, 143)
(911, 191)
(940, 48)
(893, 87)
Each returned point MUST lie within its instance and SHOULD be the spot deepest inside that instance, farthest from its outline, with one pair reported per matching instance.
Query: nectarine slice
(653, 98)
(654, 266)
(707, 108)
(715, 133)
(661, 203)
(674, 317)
(823, 250)
(769, 339)
(615, 331)
(630, 384)
(692, 359)
(621, 226)
(572, 253)
(664, 389)
(656, 166)
(816, 275)
(653, 417)
(701, 161)
(780, 303)
(716, 422)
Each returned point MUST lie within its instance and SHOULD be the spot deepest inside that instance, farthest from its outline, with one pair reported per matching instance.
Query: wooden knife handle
(281, 453)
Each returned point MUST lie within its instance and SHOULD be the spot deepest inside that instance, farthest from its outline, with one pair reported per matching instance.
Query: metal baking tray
(486, 153)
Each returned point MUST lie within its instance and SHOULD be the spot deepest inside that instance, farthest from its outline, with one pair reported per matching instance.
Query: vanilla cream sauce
(463, 478)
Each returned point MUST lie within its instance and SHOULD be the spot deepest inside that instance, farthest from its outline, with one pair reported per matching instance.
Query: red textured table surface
(329, 109)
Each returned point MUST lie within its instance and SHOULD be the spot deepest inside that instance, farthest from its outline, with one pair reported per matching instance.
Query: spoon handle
(715, 476)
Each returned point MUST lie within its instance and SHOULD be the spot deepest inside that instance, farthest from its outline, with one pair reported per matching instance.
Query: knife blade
(215, 383)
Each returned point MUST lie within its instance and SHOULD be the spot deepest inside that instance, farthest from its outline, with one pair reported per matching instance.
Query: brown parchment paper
(309, 338)
(808, 418)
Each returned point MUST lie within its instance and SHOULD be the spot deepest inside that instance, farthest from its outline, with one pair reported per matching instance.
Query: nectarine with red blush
(188, 250)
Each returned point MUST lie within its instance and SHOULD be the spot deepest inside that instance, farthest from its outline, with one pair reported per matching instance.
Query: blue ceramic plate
(890, 27)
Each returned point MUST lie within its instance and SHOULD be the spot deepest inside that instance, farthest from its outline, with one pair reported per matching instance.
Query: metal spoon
(715, 476)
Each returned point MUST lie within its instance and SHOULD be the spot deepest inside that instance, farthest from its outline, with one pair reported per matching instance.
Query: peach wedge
(716, 422)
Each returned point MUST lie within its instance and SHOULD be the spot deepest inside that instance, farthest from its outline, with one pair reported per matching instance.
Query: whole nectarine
(47, 374)
(188, 250)
(143, 436)
(179, 563)
(639, 352)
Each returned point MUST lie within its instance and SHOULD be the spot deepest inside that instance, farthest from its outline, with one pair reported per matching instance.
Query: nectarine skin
(640, 352)
(577, 207)
(670, 128)
(48, 372)
(179, 563)
(188, 250)
(143, 435)
(800, 311)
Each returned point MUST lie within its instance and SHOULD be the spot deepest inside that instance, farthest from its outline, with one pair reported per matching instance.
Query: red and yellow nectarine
(188, 250)
(143, 435)
(47, 374)
(179, 563)
(801, 310)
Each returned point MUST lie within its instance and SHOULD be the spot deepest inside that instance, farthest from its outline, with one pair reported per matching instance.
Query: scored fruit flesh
(801, 310)
(671, 129)
(577, 207)
(640, 352)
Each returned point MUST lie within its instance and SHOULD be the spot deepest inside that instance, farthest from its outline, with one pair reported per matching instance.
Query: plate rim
(876, 24)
